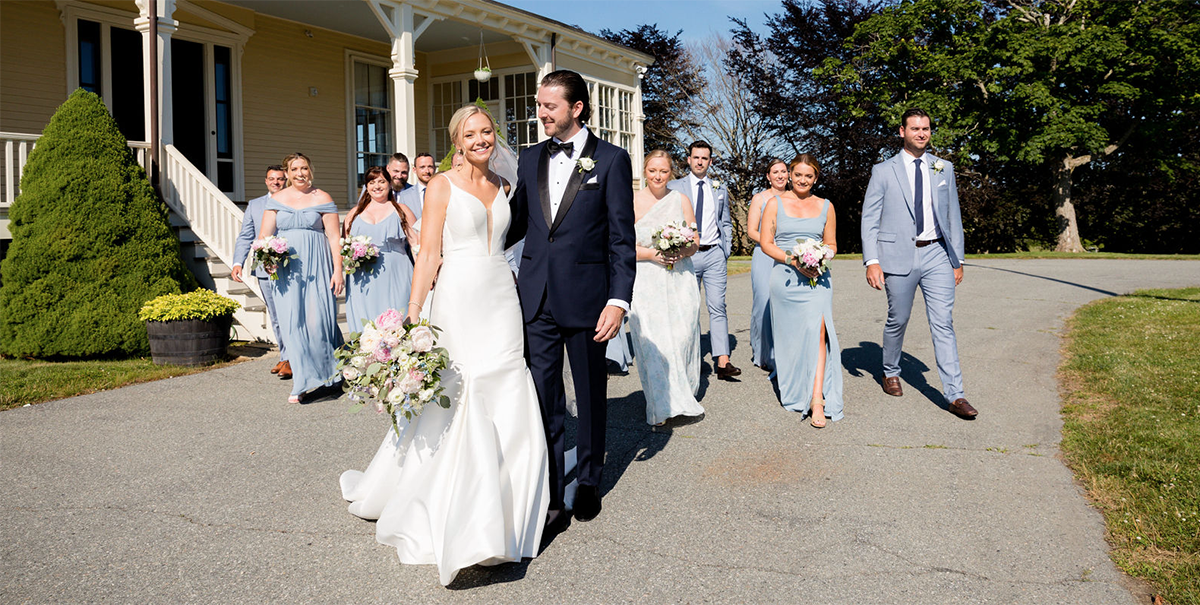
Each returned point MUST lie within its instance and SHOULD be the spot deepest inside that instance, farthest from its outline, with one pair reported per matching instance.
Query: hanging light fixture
(484, 72)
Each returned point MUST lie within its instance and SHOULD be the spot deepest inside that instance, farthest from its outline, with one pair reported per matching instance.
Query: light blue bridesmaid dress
(384, 284)
(762, 344)
(307, 306)
(797, 310)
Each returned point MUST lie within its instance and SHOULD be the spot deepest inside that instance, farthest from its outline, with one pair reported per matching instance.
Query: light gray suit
(251, 222)
(411, 197)
(889, 236)
(711, 270)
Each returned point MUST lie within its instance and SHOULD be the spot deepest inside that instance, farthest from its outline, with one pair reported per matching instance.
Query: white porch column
(639, 118)
(403, 74)
(166, 27)
(541, 54)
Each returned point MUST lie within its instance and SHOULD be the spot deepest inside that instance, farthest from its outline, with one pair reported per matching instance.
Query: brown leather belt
(923, 243)
(706, 247)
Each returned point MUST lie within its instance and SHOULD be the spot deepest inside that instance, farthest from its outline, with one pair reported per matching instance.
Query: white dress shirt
(561, 167)
(910, 169)
(710, 233)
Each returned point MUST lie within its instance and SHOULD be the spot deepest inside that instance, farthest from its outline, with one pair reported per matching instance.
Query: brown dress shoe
(959, 407)
(285, 370)
(275, 370)
(728, 371)
(891, 386)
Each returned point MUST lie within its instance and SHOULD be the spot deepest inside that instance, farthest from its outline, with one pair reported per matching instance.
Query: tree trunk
(1064, 209)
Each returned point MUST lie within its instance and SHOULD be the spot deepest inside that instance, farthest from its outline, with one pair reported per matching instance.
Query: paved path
(209, 488)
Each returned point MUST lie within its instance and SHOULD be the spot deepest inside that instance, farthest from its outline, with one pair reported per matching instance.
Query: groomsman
(912, 236)
(251, 220)
(711, 202)
(414, 196)
(397, 169)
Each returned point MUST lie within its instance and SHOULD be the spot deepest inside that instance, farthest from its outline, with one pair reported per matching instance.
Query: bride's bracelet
(417, 305)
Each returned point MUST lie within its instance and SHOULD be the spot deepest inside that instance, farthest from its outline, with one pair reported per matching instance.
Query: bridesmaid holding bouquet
(387, 281)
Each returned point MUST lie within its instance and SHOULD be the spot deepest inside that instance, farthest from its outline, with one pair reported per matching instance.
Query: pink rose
(389, 320)
(279, 246)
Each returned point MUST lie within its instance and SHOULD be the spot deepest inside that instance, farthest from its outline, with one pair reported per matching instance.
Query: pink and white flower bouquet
(270, 253)
(672, 238)
(395, 364)
(357, 252)
(812, 254)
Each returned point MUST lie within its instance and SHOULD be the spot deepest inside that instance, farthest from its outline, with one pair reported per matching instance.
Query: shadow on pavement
(1053, 279)
(867, 360)
(476, 576)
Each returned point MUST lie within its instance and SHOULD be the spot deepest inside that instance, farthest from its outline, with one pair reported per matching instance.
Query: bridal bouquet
(812, 254)
(271, 253)
(395, 364)
(672, 238)
(357, 252)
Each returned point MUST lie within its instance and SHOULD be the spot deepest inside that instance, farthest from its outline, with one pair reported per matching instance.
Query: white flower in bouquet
(369, 340)
(351, 373)
(672, 238)
(422, 339)
(811, 254)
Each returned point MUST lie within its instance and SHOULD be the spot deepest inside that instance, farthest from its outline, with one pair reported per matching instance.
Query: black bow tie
(555, 147)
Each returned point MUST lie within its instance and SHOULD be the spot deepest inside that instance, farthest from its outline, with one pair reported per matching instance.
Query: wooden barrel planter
(189, 342)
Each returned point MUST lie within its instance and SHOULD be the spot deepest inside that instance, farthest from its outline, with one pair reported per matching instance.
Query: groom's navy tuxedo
(575, 261)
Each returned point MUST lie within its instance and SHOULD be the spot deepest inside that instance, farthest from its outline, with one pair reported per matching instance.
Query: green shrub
(201, 304)
(91, 243)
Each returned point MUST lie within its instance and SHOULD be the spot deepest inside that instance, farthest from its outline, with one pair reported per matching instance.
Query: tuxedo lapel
(902, 179)
(543, 182)
(574, 183)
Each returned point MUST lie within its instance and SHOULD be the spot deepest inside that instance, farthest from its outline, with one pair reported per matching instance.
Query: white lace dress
(664, 319)
(469, 484)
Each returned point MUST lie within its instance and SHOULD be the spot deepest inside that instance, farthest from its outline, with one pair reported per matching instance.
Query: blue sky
(697, 18)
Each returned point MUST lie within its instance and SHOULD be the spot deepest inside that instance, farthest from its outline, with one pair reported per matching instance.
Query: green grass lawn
(1132, 430)
(34, 381)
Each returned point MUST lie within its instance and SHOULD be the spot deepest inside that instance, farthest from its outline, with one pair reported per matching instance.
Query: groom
(573, 204)
(912, 235)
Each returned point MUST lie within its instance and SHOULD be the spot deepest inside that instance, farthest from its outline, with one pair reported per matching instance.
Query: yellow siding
(596, 70)
(279, 66)
(33, 65)
(242, 16)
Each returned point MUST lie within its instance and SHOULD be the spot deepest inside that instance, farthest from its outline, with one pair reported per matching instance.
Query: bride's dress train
(469, 484)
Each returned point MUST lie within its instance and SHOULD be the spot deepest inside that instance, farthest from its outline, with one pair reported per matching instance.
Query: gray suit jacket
(411, 197)
(721, 197)
(251, 222)
(889, 230)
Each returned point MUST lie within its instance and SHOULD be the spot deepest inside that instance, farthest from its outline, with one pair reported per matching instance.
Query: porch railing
(17, 146)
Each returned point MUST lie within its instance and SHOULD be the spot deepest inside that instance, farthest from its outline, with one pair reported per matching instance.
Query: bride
(469, 484)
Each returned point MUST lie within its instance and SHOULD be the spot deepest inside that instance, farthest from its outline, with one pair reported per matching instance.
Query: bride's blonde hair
(460, 117)
(658, 153)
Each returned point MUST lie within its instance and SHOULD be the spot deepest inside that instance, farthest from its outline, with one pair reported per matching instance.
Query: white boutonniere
(585, 164)
(939, 166)
(715, 185)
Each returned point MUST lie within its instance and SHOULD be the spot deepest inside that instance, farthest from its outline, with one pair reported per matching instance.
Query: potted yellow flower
(188, 329)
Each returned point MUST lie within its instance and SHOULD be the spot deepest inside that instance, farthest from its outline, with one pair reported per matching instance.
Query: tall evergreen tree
(91, 243)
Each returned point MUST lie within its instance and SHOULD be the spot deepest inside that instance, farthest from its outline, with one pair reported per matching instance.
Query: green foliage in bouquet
(91, 243)
(201, 304)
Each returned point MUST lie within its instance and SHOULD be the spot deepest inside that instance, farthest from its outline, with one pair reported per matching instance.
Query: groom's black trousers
(545, 341)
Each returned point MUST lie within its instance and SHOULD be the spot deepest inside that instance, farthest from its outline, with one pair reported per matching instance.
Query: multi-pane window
(612, 115)
(122, 59)
(520, 110)
(447, 98)
(223, 101)
(372, 117)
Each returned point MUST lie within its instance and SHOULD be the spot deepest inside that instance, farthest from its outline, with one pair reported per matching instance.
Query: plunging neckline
(487, 209)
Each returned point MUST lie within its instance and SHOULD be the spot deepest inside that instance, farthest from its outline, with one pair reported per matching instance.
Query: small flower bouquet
(395, 364)
(271, 253)
(812, 254)
(672, 238)
(357, 252)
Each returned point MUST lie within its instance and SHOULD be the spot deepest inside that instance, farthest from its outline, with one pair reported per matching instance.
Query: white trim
(464, 80)
(351, 141)
(233, 26)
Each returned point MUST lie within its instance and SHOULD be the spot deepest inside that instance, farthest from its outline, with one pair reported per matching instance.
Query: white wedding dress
(469, 484)
(664, 319)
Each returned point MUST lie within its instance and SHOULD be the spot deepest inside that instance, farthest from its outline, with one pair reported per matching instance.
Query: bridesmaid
(665, 312)
(808, 362)
(309, 284)
(387, 282)
(761, 341)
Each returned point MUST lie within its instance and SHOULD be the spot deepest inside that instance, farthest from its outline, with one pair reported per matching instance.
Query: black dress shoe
(587, 502)
(727, 371)
(557, 521)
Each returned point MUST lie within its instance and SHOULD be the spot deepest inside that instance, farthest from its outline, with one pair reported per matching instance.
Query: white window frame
(109, 17)
(463, 80)
(351, 139)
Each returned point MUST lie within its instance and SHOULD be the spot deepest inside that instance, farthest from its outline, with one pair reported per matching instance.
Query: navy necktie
(699, 206)
(919, 197)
